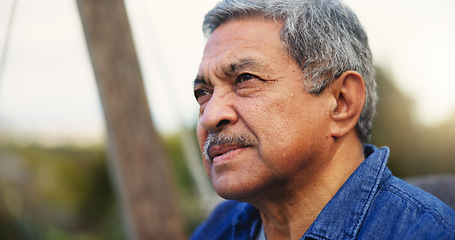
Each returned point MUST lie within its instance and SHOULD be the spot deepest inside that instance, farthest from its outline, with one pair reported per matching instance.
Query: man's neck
(290, 213)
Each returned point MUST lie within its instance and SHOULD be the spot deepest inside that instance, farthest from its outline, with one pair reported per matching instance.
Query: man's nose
(218, 113)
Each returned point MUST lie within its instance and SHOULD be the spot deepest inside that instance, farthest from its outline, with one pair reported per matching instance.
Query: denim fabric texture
(371, 204)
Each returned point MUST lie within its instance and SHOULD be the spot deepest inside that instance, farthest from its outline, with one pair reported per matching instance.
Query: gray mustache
(219, 138)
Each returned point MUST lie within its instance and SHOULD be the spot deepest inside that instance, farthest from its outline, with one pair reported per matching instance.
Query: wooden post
(137, 156)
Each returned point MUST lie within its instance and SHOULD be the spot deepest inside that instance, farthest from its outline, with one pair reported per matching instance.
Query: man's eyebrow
(199, 80)
(242, 64)
(233, 68)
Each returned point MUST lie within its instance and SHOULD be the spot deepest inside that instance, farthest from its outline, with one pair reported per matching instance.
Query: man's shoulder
(220, 222)
(410, 211)
(419, 200)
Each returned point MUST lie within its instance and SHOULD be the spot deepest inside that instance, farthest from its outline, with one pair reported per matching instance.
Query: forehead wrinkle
(203, 76)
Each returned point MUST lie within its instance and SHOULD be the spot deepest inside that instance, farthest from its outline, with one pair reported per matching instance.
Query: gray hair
(325, 37)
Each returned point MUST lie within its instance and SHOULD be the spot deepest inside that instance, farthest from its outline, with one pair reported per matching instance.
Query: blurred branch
(7, 38)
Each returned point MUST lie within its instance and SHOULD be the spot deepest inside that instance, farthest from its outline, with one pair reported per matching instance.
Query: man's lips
(222, 149)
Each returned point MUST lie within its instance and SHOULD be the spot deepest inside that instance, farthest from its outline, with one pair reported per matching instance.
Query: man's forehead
(244, 31)
(239, 44)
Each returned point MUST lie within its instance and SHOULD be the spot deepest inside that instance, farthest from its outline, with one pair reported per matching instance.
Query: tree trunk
(136, 154)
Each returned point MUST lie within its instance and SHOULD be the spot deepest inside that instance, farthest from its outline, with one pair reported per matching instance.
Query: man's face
(260, 131)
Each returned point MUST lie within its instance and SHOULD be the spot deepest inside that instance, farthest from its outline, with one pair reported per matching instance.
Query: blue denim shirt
(371, 204)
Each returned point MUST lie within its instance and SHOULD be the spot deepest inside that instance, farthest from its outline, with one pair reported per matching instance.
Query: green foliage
(188, 200)
(62, 193)
(65, 192)
(175, 154)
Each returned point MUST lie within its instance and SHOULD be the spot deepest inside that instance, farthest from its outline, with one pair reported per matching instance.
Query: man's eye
(245, 77)
(199, 93)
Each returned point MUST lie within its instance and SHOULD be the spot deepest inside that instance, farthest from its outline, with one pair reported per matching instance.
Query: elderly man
(287, 96)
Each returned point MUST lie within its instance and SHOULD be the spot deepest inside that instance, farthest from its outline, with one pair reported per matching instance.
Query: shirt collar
(247, 222)
(353, 199)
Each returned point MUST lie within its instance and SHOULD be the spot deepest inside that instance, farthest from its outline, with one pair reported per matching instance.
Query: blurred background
(54, 176)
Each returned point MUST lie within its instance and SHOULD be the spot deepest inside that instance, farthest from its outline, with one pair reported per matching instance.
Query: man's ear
(348, 93)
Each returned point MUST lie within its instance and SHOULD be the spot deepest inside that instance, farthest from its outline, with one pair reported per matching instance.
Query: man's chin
(233, 196)
(238, 193)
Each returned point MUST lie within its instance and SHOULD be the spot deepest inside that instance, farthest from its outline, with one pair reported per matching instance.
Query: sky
(48, 91)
